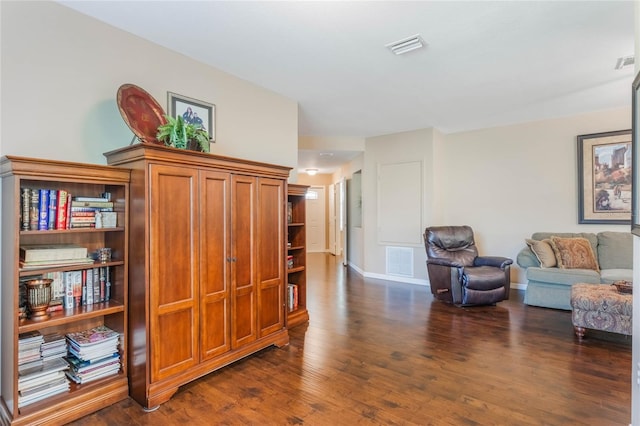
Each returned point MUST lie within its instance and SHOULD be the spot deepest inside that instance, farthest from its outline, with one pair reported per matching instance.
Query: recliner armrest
(445, 262)
(496, 261)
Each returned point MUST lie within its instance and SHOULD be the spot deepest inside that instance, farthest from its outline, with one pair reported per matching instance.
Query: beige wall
(505, 182)
(509, 182)
(61, 71)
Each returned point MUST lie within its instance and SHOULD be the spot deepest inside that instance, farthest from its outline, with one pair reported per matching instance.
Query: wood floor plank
(385, 353)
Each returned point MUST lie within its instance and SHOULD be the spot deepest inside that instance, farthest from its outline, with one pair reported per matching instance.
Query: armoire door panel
(214, 264)
(177, 353)
(270, 255)
(173, 264)
(242, 261)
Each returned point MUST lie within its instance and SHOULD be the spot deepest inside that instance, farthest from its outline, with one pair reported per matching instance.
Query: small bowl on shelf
(623, 286)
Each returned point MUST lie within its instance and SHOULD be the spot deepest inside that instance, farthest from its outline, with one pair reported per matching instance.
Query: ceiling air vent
(625, 61)
(406, 44)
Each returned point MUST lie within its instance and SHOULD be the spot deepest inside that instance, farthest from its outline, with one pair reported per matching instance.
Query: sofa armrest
(495, 261)
(526, 258)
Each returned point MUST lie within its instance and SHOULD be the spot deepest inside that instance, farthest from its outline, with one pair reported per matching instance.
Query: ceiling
(485, 63)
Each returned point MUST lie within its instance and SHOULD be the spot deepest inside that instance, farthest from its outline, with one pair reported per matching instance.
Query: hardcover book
(43, 210)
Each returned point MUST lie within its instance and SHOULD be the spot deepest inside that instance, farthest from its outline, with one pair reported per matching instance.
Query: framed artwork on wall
(193, 111)
(635, 140)
(604, 177)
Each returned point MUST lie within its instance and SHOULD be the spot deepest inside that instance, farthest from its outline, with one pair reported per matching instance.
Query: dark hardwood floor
(378, 352)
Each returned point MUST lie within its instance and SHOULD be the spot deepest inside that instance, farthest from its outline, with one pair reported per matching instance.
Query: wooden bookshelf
(80, 180)
(297, 251)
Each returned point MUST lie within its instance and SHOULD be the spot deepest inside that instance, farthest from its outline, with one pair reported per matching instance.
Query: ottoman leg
(579, 331)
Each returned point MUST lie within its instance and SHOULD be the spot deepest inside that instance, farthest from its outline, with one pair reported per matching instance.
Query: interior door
(315, 219)
(333, 241)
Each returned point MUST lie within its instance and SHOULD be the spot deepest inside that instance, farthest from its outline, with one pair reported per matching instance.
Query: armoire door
(242, 260)
(270, 255)
(215, 332)
(173, 263)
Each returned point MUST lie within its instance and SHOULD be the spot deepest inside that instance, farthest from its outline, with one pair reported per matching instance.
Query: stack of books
(39, 378)
(29, 350)
(39, 256)
(53, 346)
(93, 354)
(86, 212)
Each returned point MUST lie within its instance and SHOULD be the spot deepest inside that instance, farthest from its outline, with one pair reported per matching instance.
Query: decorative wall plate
(142, 113)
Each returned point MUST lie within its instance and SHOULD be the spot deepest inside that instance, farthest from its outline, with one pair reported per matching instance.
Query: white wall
(635, 368)
(415, 146)
(61, 71)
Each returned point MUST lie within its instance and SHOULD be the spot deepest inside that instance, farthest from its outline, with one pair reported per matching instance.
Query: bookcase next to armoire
(79, 180)
(297, 255)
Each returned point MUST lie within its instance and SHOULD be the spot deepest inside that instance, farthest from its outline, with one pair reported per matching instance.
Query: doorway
(316, 219)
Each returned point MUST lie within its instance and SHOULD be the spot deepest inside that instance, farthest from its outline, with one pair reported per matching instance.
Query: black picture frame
(635, 140)
(605, 176)
(203, 111)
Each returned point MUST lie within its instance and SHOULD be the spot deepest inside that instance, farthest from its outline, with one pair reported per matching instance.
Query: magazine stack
(39, 378)
(93, 354)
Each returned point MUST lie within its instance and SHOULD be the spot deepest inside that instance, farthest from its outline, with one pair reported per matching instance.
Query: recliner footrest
(483, 278)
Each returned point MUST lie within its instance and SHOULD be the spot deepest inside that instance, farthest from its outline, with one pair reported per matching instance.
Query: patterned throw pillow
(574, 253)
(543, 251)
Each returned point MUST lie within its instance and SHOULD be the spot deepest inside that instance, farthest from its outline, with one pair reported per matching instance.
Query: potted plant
(182, 135)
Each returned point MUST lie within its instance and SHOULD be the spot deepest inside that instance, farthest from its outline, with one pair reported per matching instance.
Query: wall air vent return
(406, 44)
(400, 261)
(624, 62)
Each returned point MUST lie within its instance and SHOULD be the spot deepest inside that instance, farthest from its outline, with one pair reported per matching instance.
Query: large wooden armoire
(206, 264)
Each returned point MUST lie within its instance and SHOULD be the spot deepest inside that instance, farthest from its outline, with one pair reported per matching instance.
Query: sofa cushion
(609, 276)
(543, 251)
(615, 250)
(574, 253)
(559, 276)
(593, 238)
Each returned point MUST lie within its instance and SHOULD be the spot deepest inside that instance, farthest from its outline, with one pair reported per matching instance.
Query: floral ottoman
(600, 307)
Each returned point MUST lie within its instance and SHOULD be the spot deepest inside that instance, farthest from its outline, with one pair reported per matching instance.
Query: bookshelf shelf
(79, 314)
(20, 177)
(296, 276)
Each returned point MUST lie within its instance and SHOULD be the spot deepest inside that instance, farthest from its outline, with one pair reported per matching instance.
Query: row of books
(292, 297)
(47, 209)
(80, 357)
(72, 289)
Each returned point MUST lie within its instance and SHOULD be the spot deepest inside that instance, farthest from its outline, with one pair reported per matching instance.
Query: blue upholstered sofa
(550, 287)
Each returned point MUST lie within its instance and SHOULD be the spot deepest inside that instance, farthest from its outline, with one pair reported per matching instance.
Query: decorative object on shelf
(178, 133)
(199, 113)
(624, 286)
(38, 298)
(103, 254)
(142, 113)
(604, 176)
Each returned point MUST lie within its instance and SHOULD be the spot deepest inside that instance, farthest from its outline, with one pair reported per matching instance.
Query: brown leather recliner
(458, 275)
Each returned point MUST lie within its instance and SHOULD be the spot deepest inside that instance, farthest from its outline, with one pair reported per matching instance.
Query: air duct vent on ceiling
(406, 44)
(625, 61)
